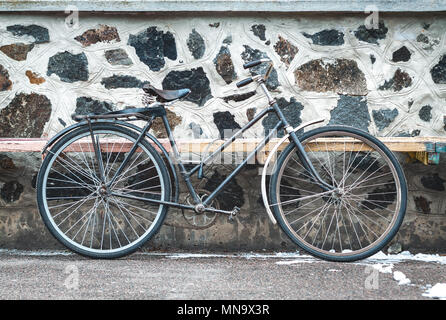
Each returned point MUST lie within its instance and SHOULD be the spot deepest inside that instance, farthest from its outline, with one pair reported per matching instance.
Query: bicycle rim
(356, 220)
(78, 213)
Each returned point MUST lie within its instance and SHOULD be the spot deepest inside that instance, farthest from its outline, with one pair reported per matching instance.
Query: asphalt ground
(154, 275)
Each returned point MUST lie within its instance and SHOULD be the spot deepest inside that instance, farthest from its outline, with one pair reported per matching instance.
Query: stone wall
(389, 81)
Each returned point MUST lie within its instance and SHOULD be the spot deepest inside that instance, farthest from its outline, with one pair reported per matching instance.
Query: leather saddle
(161, 95)
(165, 95)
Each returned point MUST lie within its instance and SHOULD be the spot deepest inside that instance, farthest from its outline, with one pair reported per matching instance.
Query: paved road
(229, 276)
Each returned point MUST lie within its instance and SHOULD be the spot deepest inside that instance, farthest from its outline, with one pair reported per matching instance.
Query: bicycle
(105, 184)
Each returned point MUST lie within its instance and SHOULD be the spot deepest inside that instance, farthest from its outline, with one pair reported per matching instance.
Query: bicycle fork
(307, 163)
(293, 138)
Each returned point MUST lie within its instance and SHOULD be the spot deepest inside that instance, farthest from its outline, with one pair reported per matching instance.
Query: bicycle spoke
(349, 219)
(132, 214)
(125, 217)
(320, 226)
(323, 208)
(86, 199)
(82, 209)
(352, 224)
(73, 181)
(82, 201)
(361, 224)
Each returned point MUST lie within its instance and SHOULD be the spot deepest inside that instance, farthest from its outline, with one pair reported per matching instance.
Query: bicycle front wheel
(361, 215)
(85, 214)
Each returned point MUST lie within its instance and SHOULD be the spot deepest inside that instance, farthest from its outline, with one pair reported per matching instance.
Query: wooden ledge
(425, 149)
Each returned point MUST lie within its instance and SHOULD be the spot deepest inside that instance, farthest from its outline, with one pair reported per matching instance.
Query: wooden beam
(396, 144)
(425, 149)
(21, 145)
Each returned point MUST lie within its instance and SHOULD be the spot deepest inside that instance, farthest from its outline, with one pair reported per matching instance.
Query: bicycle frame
(87, 210)
(201, 206)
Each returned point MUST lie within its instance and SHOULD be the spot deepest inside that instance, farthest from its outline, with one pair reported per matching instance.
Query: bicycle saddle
(165, 95)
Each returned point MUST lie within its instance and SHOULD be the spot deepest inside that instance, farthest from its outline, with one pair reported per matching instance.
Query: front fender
(268, 160)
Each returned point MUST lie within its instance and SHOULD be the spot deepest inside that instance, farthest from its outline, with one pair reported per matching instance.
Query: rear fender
(164, 152)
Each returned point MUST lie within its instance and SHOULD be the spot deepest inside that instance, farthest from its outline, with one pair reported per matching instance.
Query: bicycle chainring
(200, 220)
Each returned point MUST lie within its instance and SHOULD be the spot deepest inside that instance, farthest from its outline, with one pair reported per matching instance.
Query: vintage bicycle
(105, 185)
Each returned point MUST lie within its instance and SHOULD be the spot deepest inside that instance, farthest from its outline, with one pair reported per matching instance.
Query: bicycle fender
(167, 159)
(268, 160)
(60, 134)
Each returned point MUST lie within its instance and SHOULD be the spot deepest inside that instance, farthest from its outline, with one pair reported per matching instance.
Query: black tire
(381, 241)
(48, 168)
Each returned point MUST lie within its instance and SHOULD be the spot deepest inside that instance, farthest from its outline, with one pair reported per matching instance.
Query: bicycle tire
(366, 204)
(60, 155)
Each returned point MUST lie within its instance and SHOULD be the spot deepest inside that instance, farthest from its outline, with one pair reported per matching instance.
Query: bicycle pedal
(233, 213)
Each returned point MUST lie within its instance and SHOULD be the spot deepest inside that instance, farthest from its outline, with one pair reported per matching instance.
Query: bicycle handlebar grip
(244, 82)
(77, 117)
(252, 64)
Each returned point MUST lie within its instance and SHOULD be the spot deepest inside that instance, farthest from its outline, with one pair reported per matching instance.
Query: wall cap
(226, 5)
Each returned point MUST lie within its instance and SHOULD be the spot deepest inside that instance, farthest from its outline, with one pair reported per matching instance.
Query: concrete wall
(424, 226)
(389, 81)
(225, 5)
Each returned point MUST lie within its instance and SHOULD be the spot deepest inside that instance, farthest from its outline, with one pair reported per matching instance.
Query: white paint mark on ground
(381, 261)
(39, 253)
(381, 257)
(175, 255)
(384, 263)
(251, 255)
(193, 255)
(301, 259)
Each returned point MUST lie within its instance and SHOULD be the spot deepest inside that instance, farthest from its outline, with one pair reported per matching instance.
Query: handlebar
(244, 82)
(252, 64)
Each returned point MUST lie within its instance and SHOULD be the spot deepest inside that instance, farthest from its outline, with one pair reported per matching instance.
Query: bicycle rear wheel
(361, 216)
(81, 212)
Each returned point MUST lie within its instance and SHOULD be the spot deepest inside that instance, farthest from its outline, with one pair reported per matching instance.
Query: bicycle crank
(201, 218)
